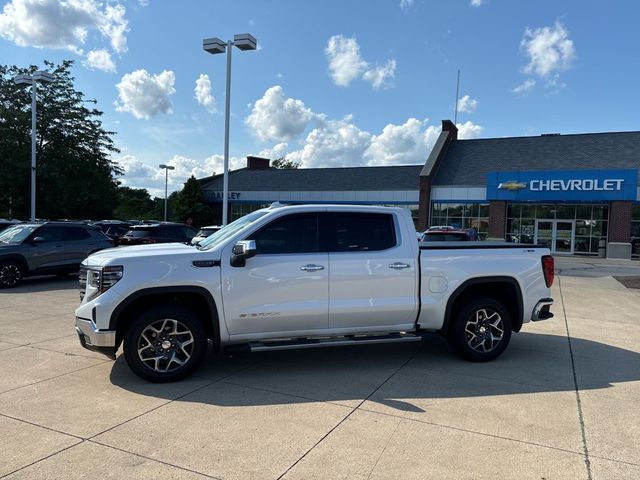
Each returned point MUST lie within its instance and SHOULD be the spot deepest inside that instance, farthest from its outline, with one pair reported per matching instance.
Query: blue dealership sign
(563, 185)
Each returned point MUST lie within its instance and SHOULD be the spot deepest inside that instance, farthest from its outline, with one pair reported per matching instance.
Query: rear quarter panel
(443, 271)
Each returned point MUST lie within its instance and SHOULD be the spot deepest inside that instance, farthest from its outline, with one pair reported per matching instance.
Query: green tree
(284, 164)
(190, 204)
(133, 204)
(75, 175)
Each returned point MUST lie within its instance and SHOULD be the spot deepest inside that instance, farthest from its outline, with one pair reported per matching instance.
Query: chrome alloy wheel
(165, 345)
(484, 330)
(10, 275)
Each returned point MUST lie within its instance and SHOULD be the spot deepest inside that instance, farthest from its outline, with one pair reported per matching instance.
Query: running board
(331, 342)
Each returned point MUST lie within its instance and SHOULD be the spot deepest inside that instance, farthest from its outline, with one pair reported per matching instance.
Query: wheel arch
(504, 289)
(17, 257)
(195, 298)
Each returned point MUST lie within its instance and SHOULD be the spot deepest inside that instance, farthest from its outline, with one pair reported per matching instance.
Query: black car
(114, 229)
(46, 248)
(164, 232)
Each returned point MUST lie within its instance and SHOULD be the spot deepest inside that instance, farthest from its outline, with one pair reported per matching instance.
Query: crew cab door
(284, 287)
(372, 271)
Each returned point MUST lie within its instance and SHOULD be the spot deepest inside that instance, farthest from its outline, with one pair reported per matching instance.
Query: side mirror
(38, 240)
(241, 251)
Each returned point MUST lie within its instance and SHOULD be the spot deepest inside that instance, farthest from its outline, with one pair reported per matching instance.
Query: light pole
(33, 81)
(166, 180)
(243, 41)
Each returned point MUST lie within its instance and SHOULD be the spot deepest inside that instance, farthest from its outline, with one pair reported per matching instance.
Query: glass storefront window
(462, 215)
(590, 223)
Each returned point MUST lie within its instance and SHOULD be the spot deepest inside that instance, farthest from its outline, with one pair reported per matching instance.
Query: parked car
(204, 232)
(7, 223)
(114, 229)
(307, 276)
(46, 248)
(158, 233)
(447, 235)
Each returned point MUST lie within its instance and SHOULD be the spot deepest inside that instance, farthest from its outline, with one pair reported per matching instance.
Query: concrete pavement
(560, 403)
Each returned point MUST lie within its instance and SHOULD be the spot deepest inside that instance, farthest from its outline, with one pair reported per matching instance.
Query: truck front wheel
(481, 330)
(165, 343)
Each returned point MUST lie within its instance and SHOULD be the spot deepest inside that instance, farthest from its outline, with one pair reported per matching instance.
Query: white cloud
(278, 117)
(100, 60)
(379, 75)
(469, 130)
(145, 95)
(409, 143)
(467, 104)
(345, 62)
(549, 50)
(525, 87)
(203, 95)
(476, 3)
(138, 174)
(333, 144)
(406, 4)
(277, 151)
(62, 25)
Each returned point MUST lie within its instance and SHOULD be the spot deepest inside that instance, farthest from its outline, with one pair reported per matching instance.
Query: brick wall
(620, 222)
(497, 219)
(424, 203)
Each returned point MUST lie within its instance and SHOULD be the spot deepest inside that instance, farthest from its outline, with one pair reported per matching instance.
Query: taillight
(548, 269)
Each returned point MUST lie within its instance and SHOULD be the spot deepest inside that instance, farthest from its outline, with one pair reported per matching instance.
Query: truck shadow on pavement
(401, 377)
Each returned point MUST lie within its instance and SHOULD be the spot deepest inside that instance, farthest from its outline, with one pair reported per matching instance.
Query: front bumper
(102, 341)
(541, 310)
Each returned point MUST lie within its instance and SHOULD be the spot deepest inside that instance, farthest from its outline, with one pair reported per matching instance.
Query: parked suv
(46, 248)
(164, 232)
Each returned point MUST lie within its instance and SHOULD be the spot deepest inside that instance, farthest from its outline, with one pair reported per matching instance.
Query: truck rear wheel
(165, 343)
(481, 330)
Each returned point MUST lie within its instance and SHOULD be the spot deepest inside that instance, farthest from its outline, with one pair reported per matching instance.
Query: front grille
(82, 278)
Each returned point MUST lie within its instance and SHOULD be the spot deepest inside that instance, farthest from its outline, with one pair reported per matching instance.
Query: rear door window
(72, 234)
(356, 232)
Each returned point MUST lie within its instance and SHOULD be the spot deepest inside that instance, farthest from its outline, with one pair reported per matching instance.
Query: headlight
(101, 279)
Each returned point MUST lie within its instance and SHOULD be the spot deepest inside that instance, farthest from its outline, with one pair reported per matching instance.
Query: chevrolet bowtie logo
(512, 186)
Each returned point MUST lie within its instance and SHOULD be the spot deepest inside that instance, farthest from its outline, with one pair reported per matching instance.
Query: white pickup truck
(307, 276)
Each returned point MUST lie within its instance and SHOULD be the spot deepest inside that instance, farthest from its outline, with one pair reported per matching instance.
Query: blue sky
(334, 83)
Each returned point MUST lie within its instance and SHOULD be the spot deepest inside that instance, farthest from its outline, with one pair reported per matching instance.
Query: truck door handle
(399, 265)
(311, 267)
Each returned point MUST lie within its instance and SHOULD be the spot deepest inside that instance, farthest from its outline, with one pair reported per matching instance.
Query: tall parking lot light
(166, 180)
(243, 41)
(32, 80)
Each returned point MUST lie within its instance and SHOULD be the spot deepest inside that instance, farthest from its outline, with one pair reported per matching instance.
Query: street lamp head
(214, 45)
(167, 167)
(43, 76)
(23, 80)
(245, 41)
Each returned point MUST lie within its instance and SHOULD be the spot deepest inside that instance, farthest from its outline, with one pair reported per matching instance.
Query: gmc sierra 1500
(307, 276)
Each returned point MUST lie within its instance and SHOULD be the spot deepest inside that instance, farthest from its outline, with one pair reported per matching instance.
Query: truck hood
(126, 254)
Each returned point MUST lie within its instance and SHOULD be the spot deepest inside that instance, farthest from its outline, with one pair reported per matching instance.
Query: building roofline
(552, 135)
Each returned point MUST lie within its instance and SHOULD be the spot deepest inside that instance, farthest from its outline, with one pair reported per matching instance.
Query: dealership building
(577, 194)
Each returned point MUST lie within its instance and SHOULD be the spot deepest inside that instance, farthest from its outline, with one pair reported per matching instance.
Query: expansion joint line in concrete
(577, 390)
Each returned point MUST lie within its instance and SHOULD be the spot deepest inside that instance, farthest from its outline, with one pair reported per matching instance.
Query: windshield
(141, 232)
(230, 230)
(17, 233)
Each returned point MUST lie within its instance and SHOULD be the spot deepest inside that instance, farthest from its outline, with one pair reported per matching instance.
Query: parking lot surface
(562, 402)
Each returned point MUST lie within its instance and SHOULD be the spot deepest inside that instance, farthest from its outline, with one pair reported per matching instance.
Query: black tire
(481, 330)
(11, 273)
(159, 360)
